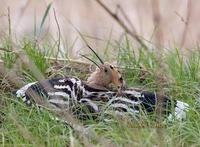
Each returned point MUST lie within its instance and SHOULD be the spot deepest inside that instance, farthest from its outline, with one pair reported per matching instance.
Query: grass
(28, 126)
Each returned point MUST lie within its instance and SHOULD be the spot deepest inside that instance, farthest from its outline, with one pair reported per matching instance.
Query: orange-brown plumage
(105, 75)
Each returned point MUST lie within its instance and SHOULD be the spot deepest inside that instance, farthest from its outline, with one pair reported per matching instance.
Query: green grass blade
(45, 16)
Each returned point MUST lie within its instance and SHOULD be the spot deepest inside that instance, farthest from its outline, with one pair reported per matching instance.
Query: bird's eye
(105, 70)
(120, 79)
(111, 66)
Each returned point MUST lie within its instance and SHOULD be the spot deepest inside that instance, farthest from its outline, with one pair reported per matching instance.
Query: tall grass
(29, 126)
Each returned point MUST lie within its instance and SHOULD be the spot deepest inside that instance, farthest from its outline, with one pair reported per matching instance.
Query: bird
(66, 92)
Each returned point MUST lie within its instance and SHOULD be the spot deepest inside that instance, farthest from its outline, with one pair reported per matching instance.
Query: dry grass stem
(159, 71)
(187, 21)
(59, 33)
(122, 24)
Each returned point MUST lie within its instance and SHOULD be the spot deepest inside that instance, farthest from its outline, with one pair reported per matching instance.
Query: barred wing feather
(66, 92)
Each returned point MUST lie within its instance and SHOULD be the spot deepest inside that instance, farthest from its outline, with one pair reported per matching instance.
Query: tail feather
(180, 111)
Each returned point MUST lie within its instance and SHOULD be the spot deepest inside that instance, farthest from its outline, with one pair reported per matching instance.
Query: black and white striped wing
(58, 91)
(134, 102)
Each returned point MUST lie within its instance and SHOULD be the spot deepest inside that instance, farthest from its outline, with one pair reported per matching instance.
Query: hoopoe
(67, 92)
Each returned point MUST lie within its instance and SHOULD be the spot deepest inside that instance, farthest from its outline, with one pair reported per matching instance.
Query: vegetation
(23, 125)
(28, 61)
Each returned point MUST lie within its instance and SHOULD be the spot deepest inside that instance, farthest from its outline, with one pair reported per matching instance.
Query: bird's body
(66, 92)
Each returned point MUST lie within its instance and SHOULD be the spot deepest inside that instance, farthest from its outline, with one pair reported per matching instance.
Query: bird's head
(105, 74)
